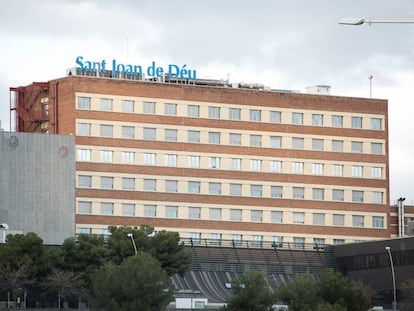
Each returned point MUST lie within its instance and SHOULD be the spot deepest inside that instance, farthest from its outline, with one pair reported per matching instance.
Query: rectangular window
(171, 185)
(276, 217)
(357, 220)
(214, 112)
(128, 209)
(193, 111)
(194, 212)
(148, 158)
(150, 210)
(194, 187)
(235, 164)
(149, 184)
(148, 107)
(105, 156)
(275, 142)
(128, 183)
(317, 119)
(235, 139)
(215, 239)
(338, 241)
(149, 133)
(276, 191)
(234, 113)
(376, 197)
(84, 181)
(356, 171)
(170, 109)
(84, 155)
(317, 168)
(127, 157)
(337, 170)
(338, 219)
(255, 115)
(338, 195)
(298, 192)
(357, 196)
(107, 182)
(171, 211)
(255, 140)
(298, 243)
(297, 143)
(213, 137)
(214, 213)
(214, 188)
(107, 208)
(377, 222)
(255, 165)
(319, 243)
(193, 136)
(275, 116)
(276, 166)
(376, 124)
(106, 130)
(356, 122)
(85, 207)
(376, 148)
(127, 105)
(170, 135)
(84, 129)
(84, 230)
(256, 241)
(236, 239)
(297, 167)
(297, 118)
(170, 159)
(195, 237)
(376, 172)
(338, 145)
(213, 162)
(105, 104)
(235, 189)
(84, 103)
(128, 132)
(256, 190)
(356, 146)
(194, 161)
(337, 121)
(298, 218)
(277, 241)
(318, 219)
(317, 194)
(256, 215)
(317, 144)
(235, 214)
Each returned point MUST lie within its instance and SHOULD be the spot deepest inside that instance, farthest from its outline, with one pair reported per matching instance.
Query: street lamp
(131, 236)
(394, 303)
(385, 20)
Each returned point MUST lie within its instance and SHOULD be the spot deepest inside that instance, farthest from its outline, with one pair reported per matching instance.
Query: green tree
(251, 293)
(138, 283)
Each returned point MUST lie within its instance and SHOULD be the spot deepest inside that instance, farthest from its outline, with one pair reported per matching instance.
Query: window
(317, 168)
(234, 113)
(317, 144)
(256, 241)
(357, 196)
(107, 182)
(376, 172)
(193, 111)
(297, 143)
(150, 210)
(318, 218)
(356, 122)
(319, 243)
(171, 211)
(107, 208)
(275, 142)
(194, 161)
(170, 159)
(85, 207)
(298, 242)
(235, 189)
(213, 162)
(256, 190)
(148, 107)
(127, 157)
(297, 167)
(128, 132)
(128, 183)
(127, 105)
(337, 169)
(195, 237)
(377, 222)
(213, 137)
(106, 156)
(84, 154)
(84, 230)
(337, 121)
(277, 241)
(106, 130)
(214, 112)
(276, 191)
(376, 124)
(105, 104)
(298, 192)
(338, 219)
(357, 220)
(276, 166)
(170, 134)
(84, 102)
(84, 181)
(128, 209)
(337, 195)
(276, 216)
(235, 214)
(235, 164)
(376, 148)
(297, 118)
(171, 185)
(356, 171)
(170, 109)
(376, 197)
(234, 139)
(298, 218)
(256, 165)
(275, 116)
(256, 215)
(148, 158)
(149, 133)
(193, 136)
(84, 129)
(215, 239)
(214, 213)
(194, 212)
(255, 115)
(338, 145)
(338, 241)
(255, 140)
(149, 184)
(194, 187)
(356, 147)
(317, 194)
(317, 119)
(214, 188)
(236, 239)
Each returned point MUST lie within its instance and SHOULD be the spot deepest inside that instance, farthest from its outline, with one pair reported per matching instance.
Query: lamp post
(394, 303)
(385, 20)
(131, 236)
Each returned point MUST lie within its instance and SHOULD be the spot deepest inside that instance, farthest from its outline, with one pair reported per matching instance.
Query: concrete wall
(37, 184)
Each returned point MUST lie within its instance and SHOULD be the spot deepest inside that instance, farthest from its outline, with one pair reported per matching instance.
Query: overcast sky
(289, 44)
